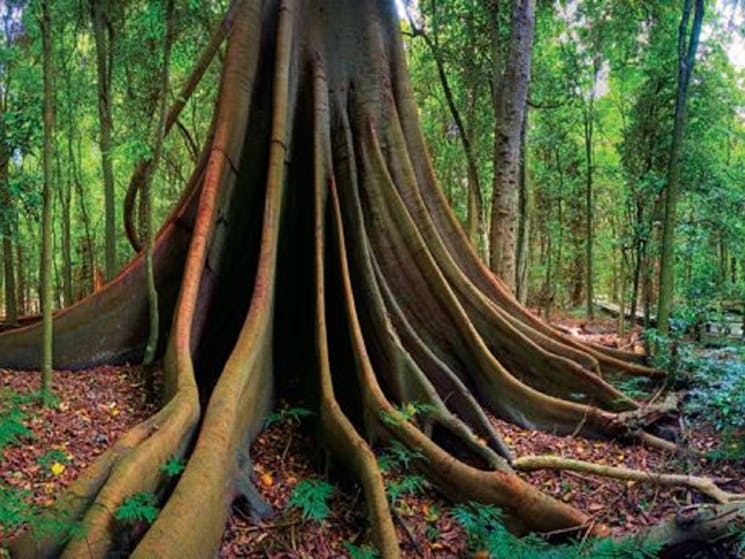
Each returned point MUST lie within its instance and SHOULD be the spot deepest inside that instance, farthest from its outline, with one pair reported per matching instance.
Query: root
(697, 526)
(339, 434)
(703, 485)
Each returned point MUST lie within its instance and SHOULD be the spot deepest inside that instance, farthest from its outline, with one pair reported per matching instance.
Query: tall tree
(314, 217)
(687, 47)
(47, 293)
(103, 34)
(510, 98)
(158, 135)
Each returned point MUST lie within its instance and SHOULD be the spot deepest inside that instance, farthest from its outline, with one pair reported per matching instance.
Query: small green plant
(295, 413)
(634, 387)
(360, 552)
(406, 485)
(398, 457)
(406, 412)
(311, 497)
(173, 466)
(16, 508)
(49, 459)
(139, 507)
(13, 418)
(486, 532)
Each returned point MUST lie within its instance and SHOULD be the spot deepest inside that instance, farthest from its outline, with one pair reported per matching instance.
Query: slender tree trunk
(65, 197)
(47, 200)
(475, 208)
(21, 283)
(686, 60)
(508, 122)
(523, 222)
(159, 137)
(6, 218)
(104, 47)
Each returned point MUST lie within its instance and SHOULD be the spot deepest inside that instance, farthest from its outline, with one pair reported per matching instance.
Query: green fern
(406, 412)
(360, 552)
(287, 414)
(16, 508)
(486, 532)
(406, 485)
(140, 507)
(311, 497)
(173, 466)
(399, 457)
(13, 426)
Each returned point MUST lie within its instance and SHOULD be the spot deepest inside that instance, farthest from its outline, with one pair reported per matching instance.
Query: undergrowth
(487, 533)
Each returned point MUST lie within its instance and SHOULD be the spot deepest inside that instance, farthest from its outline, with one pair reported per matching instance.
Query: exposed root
(401, 307)
(703, 485)
(697, 526)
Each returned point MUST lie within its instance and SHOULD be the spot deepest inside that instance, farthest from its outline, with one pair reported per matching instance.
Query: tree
(510, 97)
(47, 200)
(313, 222)
(687, 47)
(103, 33)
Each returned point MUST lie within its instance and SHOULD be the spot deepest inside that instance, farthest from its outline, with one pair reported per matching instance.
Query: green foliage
(633, 387)
(140, 507)
(295, 413)
(173, 466)
(406, 412)
(16, 508)
(406, 485)
(398, 457)
(48, 459)
(311, 497)
(12, 426)
(487, 532)
(360, 552)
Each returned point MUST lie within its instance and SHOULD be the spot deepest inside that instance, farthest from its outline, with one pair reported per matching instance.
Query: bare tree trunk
(104, 38)
(21, 283)
(523, 223)
(6, 230)
(509, 108)
(47, 200)
(159, 137)
(686, 60)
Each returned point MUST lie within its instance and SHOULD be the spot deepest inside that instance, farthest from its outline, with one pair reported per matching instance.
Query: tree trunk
(314, 217)
(159, 137)
(100, 14)
(523, 220)
(686, 60)
(47, 201)
(509, 108)
(9, 277)
(589, 116)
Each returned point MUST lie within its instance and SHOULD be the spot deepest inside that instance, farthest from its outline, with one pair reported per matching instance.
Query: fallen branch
(701, 484)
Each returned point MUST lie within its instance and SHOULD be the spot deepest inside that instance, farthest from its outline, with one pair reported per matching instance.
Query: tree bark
(686, 58)
(100, 15)
(47, 200)
(508, 119)
(314, 216)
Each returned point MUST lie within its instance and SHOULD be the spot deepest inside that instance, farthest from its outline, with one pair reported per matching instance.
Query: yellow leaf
(114, 411)
(57, 468)
(267, 479)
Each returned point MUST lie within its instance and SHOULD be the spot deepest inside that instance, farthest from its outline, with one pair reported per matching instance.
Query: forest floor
(315, 518)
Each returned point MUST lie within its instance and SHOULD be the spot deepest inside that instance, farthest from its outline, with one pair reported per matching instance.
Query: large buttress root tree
(313, 244)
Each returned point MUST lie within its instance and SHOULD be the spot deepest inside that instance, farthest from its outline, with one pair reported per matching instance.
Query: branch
(703, 485)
